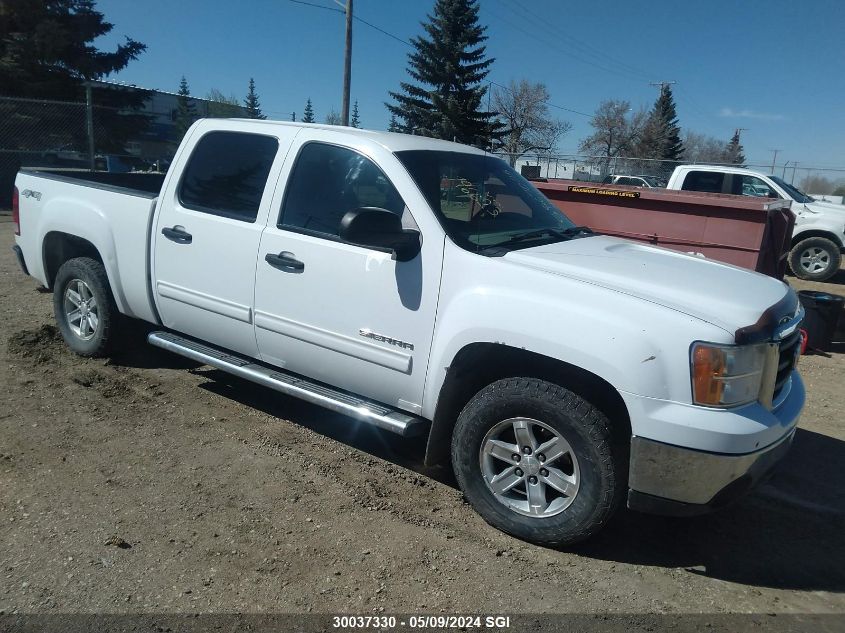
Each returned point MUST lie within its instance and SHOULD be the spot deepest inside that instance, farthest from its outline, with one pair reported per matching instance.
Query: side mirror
(382, 230)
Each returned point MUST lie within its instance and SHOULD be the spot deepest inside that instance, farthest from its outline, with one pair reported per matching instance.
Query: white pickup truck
(426, 288)
(818, 239)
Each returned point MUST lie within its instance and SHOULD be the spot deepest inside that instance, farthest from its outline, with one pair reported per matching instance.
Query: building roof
(123, 84)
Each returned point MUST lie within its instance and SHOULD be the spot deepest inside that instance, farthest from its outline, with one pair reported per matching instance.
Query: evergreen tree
(393, 126)
(660, 138)
(308, 113)
(734, 152)
(253, 107)
(47, 48)
(448, 65)
(186, 111)
(355, 121)
(672, 148)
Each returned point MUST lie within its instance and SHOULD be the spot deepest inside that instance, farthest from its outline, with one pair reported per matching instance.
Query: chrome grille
(787, 357)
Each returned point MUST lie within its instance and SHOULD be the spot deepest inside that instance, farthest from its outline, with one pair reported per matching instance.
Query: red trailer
(746, 231)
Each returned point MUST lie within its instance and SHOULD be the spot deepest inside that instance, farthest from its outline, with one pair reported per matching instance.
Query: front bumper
(717, 459)
(679, 481)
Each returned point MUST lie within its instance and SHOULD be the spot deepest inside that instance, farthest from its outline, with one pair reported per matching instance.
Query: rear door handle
(177, 234)
(285, 261)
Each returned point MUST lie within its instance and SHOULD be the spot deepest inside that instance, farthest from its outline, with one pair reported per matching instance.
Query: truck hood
(726, 296)
(828, 208)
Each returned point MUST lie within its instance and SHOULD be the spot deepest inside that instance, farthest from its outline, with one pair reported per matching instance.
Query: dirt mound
(38, 344)
(108, 385)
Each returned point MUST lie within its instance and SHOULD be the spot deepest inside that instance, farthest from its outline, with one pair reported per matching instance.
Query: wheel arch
(805, 235)
(479, 364)
(59, 247)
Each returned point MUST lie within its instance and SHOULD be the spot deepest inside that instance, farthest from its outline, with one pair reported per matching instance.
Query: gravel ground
(145, 483)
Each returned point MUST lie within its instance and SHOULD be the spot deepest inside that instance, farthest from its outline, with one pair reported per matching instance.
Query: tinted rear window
(709, 181)
(227, 173)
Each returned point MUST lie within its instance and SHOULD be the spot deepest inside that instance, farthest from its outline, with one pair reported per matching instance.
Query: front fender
(634, 345)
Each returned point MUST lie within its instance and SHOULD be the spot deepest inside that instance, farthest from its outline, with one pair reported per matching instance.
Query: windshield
(794, 192)
(483, 203)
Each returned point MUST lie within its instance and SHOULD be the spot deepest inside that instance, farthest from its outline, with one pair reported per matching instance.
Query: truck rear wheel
(815, 259)
(84, 306)
(536, 461)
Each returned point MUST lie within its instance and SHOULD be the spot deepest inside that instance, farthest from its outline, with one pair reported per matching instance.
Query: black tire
(601, 465)
(827, 249)
(93, 275)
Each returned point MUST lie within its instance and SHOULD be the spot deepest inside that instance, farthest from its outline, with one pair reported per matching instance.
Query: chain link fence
(827, 182)
(39, 133)
(68, 135)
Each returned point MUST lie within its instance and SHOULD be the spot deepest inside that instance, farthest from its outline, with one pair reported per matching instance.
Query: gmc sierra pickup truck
(427, 288)
(818, 239)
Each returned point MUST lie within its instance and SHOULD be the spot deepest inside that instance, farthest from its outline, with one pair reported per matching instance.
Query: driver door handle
(177, 234)
(285, 261)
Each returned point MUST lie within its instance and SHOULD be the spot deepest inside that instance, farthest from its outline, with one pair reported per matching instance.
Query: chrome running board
(367, 411)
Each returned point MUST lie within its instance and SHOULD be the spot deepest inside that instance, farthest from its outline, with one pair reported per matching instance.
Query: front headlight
(726, 375)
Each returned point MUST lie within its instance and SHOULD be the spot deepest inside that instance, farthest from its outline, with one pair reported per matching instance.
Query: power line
(354, 17)
(554, 44)
(591, 52)
(662, 84)
(408, 44)
(586, 47)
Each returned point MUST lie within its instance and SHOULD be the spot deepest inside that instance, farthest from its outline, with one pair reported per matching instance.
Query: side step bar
(373, 413)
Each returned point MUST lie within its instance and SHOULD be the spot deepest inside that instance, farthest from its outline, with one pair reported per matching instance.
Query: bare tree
(818, 185)
(701, 148)
(616, 130)
(333, 118)
(522, 108)
(222, 106)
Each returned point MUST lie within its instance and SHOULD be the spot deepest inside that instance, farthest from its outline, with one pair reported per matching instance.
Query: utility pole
(293, 116)
(662, 84)
(794, 167)
(774, 159)
(347, 65)
(89, 124)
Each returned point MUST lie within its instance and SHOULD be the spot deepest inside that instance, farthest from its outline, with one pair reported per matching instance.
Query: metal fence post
(89, 120)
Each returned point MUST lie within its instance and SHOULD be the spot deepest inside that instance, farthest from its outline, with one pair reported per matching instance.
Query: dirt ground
(146, 483)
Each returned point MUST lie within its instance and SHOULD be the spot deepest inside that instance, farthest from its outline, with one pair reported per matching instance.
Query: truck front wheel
(815, 259)
(537, 461)
(84, 306)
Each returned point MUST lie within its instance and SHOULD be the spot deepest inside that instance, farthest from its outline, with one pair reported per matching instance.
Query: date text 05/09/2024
(421, 622)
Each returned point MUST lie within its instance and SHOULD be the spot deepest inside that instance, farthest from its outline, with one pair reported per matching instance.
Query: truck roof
(391, 141)
(725, 169)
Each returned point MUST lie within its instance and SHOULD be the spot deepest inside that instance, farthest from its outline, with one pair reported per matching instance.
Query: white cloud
(750, 114)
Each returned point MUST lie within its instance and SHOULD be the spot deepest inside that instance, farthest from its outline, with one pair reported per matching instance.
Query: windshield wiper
(564, 234)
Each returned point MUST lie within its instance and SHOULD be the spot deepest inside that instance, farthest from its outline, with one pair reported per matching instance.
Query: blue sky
(774, 67)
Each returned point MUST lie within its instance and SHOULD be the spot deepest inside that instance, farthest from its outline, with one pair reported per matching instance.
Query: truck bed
(111, 212)
(147, 185)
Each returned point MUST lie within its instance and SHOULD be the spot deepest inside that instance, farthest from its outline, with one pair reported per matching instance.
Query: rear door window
(227, 173)
(707, 181)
